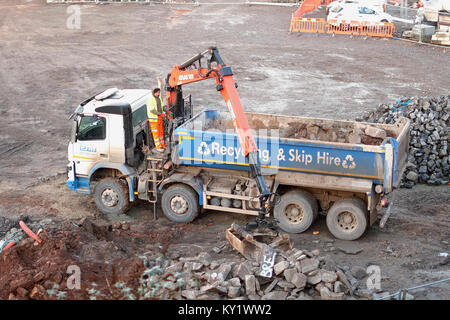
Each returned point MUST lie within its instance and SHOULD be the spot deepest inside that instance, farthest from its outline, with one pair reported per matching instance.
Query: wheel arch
(188, 180)
(120, 170)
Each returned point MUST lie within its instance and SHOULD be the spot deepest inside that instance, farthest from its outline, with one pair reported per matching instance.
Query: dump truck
(308, 165)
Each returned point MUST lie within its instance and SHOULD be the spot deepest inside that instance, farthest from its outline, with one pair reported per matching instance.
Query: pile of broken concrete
(428, 159)
(297, 275)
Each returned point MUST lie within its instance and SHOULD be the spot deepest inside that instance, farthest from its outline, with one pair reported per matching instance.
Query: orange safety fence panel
(377, 29)
(308, 25)
(365, 28)
(343, 27)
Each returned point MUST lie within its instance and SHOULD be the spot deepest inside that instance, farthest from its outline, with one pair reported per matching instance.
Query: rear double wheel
(296, 211)
(347, 219)
(180, 203)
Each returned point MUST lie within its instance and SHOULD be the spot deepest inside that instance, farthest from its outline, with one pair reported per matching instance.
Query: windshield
(92, 128)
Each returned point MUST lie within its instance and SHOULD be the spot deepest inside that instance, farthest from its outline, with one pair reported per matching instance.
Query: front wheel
(180, 203)
(347, 219)
(111, 196)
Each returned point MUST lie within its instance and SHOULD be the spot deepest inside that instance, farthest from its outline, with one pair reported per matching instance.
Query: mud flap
(259, 246)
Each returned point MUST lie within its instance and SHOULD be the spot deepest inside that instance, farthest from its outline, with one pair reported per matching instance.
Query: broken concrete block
(205, 258)
(220, 274)
(375, 132)
(289, 273)
(234, 292)
(241, 271)
(309, 265)
(328, 276)
(339, 287)
(235, 282)
(313, 280)
(250, 285)
(280, 267)
(271, 286)
(285, 285)
(354, 138)
(342, 278)
(197, 266)
(275, 295)
(326, 294)
(174, 268)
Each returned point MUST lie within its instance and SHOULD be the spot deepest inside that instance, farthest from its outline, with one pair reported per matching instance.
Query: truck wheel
(347, 219)
(111, 196)
(180, 203)
(296, 211)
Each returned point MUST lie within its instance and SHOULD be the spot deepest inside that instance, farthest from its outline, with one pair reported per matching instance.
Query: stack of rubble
(112, 270)
(428, 159)
(297, 275)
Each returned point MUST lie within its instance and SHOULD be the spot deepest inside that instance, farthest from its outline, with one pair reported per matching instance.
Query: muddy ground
(46, 69)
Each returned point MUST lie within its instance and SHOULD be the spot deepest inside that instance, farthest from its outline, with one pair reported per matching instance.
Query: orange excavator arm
(192, 71)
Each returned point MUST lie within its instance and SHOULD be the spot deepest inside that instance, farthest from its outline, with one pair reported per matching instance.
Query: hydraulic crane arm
(192, 71)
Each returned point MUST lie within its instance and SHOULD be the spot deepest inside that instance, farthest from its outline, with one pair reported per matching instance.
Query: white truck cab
(106, 144)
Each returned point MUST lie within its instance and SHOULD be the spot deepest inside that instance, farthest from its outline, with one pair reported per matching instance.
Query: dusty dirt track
(46, 69)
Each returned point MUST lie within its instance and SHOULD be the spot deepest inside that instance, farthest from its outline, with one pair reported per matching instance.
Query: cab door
(92, 143)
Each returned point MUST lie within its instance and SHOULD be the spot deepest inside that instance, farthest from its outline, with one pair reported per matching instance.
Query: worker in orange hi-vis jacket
(155, 113)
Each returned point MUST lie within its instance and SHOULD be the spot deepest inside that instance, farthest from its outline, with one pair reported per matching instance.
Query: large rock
(280, 267)
(221, 273)
(328, 276)
(309, 265)
(326, 294)
(375, 132)
(297, 279)
(241, 271)
(250, 285)
(275, 295)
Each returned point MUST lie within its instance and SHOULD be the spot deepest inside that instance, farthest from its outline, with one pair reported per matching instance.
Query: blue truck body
(214, 148)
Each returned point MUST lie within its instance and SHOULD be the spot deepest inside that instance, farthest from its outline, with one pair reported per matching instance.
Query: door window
(139, 115)
(92, 128)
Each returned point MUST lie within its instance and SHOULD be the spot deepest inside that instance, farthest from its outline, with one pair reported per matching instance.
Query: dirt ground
(46, 69)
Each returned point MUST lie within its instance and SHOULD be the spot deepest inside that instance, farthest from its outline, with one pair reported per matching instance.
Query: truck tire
(347, 219)
(296, 211)
(180, 203)
(111, 196)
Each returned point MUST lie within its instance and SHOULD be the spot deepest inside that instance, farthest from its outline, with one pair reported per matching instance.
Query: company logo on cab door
(88, 149)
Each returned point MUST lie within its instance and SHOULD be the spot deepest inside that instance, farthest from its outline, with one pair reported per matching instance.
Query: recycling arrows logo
(349, 163)
(203, 149)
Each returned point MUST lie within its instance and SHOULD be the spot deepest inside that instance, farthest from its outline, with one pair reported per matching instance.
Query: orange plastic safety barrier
(377, 29)
(373, 29)
(308, 25)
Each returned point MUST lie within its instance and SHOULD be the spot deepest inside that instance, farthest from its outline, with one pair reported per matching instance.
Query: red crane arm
(226, 84)
(190, 72)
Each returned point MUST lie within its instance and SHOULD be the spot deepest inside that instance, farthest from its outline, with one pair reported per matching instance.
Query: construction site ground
(46, 69)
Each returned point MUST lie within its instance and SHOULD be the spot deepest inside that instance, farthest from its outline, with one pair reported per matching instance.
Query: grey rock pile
(297, 275)
(428, 159)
